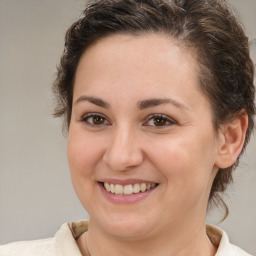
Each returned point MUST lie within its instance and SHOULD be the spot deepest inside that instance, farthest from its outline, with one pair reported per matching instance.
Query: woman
(158, 101)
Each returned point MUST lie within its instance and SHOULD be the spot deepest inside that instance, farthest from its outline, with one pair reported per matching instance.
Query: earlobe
(231, 140)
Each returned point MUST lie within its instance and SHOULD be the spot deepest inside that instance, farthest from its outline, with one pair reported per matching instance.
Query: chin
(126, 226)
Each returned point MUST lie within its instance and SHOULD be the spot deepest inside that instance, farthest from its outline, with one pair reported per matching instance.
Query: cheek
(186, 163)
(169, 156)
(187, 179)
(83, 153)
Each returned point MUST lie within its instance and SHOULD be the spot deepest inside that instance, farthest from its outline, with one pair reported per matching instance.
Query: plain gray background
(36, 195)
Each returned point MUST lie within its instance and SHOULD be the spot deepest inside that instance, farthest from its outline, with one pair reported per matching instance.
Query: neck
(182, 241)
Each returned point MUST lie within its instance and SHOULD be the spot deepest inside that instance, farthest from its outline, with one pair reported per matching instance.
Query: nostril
(121, 159)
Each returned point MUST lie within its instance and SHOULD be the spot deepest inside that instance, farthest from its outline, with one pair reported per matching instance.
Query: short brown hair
(209, 27)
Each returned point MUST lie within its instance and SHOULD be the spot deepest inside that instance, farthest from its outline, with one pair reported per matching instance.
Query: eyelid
(93, 114)
(170, 120)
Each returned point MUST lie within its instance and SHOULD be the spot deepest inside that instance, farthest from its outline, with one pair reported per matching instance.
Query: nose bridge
(123, 151)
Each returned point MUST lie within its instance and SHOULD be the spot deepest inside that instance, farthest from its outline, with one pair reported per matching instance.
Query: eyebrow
(141, 104)
(93, 100)
(156, 102)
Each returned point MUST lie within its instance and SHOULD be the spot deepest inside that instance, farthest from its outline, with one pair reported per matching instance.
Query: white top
(64, 243)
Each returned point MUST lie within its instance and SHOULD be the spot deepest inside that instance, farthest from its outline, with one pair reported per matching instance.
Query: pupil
(98, 120)
(159, 122)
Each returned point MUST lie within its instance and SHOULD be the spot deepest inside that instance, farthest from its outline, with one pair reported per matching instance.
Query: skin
(181, 154)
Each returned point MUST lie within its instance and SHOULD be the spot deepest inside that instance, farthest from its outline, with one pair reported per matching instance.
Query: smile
(128, 189)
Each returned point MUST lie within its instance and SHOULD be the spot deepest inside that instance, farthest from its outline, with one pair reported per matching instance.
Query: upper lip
(127, 181)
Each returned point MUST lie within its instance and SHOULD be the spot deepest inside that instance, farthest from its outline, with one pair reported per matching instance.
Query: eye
(159, 120)
(94, 119)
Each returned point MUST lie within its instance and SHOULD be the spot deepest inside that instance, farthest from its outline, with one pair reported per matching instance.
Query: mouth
(128, 189)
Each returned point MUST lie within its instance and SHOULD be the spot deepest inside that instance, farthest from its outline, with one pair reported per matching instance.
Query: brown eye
(160, 121)
(94, 120)
(98, 120)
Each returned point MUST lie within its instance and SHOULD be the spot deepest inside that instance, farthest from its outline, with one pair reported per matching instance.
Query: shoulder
(62, 244)
(28, 248)
(220, 239)
(239, 252)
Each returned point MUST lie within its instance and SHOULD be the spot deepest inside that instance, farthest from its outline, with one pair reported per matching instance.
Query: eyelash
(163, 120)
(85, 118)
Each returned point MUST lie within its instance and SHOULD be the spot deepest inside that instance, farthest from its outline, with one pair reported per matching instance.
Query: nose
(123, 152)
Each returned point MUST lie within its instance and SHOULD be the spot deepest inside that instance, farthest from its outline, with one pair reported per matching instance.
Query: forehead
(151, 42)
(145, 64)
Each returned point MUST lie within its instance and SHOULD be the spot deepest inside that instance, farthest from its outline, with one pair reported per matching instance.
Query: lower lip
(125, 199)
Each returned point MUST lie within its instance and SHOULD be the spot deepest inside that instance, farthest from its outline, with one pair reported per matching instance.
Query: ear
(231, 140)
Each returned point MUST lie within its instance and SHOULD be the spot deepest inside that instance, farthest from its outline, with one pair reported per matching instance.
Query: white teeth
(128, 189)
(136, 188)
(119, 189)
(112, 188)
(143, 187)
(107, 186)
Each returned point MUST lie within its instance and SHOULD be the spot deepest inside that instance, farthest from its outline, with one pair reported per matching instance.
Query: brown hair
(208, 27)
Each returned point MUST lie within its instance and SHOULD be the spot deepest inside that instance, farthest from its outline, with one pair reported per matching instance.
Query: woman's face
(139, 120)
